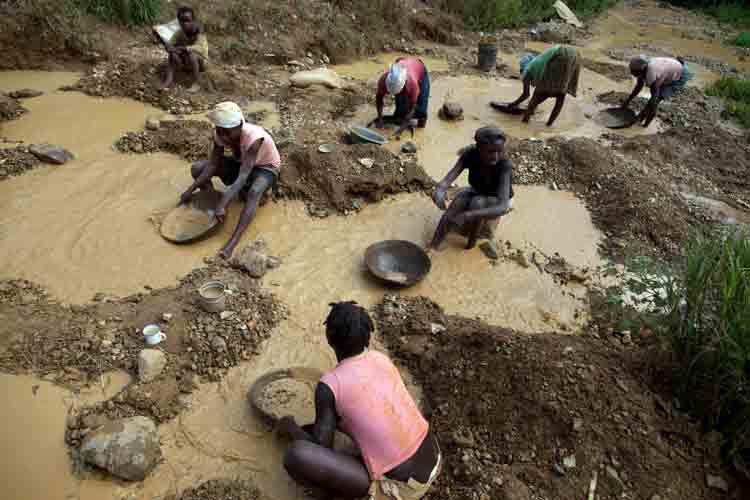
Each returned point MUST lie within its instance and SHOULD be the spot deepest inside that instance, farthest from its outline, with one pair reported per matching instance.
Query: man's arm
(442, 188)
(206, 174)
(637, 90)
(651, 106)
(324, 428)
(246, 167)
(406, 122)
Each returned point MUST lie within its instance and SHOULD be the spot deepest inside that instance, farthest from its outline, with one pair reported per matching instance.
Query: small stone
(490, 250)
(273, 262)
(367, 162)
(25, 94)
(151, 362)
(225, 315)
(167, 317)
(51, 154)
(325, 59)
(577, 424)
(436, 328)
(153, 124)
(409, 148)
(569, 462)
(127, 448)
(452, 111)
(219, 344)
(717, 483)
(611, 472)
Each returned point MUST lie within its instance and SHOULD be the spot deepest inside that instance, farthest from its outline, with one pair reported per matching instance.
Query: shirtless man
(252, 168)
(490, 194)
(365, 397)
(188, 49)
(663, 75)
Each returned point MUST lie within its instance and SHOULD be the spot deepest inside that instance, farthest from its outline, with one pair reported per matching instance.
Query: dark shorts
(185, 63)
(403, 105)
(229, 170)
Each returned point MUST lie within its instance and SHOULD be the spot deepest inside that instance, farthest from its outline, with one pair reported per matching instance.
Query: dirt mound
(141, 79)
(629, 202)
(616, 72)
(188, 139)
(221, 489)
(340, 181)
(75, 345)
(16, 161)
(537, 416)
(10, 108)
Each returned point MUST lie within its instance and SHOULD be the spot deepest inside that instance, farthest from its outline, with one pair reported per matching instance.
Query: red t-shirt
(415, 69)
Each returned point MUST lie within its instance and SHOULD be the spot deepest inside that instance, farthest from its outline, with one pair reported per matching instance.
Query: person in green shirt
(553, 73)
(187, 49)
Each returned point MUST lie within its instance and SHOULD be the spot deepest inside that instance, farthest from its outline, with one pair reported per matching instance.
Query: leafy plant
(736, 94)
(124, 12)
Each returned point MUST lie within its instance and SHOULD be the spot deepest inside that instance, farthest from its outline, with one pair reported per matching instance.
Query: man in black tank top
(490, 193)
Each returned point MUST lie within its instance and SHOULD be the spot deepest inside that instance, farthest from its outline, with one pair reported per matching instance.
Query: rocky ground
(16, 161)
(75, 345)
(221, 489)
(538, 416)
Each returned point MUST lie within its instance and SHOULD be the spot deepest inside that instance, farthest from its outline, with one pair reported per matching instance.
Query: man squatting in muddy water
(490, 192)
(408, 81)
(364, 396)
(250, 171)
(188, 49)
(663, 75)
(553, 74)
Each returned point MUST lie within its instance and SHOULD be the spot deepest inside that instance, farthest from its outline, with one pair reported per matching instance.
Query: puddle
(727, 213)
(440, 141)
(33, 427)
(372, 69)
(45, 81)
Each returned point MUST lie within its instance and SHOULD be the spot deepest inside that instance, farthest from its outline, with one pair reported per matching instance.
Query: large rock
(452, 111)
(51, 154)
(254, 259)
(321, 76)
(127, 448)
(151, 362)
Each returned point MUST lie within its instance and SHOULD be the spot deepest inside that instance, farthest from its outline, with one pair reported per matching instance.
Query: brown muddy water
(88, 227)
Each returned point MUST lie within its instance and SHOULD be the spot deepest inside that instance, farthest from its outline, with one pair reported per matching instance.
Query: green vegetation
(736, 94)
(491, 14)
(124, 12)
(736, 12)
(703, 314)
(742, 40)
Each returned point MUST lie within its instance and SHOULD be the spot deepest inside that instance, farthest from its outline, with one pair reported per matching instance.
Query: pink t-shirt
(376, 411)
(415, 70)
(268, 155)
(663, 71)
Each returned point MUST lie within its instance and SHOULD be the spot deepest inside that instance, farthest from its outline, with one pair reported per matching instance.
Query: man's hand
(220, 214)
(185, 197)
(439, 198)
(287, 426)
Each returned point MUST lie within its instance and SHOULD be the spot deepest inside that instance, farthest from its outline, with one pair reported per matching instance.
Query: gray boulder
(452, 111)
(51, 154)
(127, 448)
(25, 93)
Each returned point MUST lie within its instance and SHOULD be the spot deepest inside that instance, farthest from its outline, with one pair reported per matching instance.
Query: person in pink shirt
(364, 397)
(408, 81)
(663, 75)
(251, 170)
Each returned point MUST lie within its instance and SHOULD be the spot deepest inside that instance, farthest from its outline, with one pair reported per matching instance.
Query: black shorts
(229, 170)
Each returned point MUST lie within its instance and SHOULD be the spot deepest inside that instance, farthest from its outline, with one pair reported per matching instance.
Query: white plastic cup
(153, 335)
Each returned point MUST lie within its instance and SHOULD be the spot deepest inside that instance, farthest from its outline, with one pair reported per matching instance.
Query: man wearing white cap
(252, 168)
(408, 81)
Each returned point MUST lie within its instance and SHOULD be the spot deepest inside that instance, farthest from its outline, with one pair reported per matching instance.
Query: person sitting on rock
(365, 397)
(188, 49)
(252, 168)
(490, 192)
(553, 74)
(409, 82)
(663, 75)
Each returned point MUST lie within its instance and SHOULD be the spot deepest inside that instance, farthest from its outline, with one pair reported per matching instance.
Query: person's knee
(299, 455)
(196, 168)
(173, 60)
(477, 203)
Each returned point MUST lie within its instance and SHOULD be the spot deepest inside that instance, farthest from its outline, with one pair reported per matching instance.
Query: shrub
(124, 12)
(736, 94)
(742, 40)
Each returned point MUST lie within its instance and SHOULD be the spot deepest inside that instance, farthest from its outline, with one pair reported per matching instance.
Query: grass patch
(123, 12)
(732, 12)
(742, 40)
(703, 316)
(736, 94)
(491, 14)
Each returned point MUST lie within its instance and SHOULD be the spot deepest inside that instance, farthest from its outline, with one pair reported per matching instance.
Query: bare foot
(226, 253)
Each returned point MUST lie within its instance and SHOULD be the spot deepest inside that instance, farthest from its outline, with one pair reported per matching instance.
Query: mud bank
(527, 416)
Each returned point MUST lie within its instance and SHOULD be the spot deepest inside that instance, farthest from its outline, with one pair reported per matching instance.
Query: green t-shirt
(535, 69)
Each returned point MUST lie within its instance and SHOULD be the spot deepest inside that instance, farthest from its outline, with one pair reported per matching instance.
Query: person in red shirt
(409, 82)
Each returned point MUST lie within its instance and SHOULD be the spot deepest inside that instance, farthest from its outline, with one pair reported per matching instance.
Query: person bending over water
(490, 192)
(663, 75)
(553, 73)
(252, 168)
(188, 49)
(364, 397)
(408, 80)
